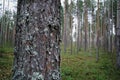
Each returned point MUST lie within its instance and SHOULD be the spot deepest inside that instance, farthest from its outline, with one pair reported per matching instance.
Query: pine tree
(118, 33)
(37, 40)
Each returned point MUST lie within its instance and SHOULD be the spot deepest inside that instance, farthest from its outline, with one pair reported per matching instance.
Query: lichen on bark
(37, 40)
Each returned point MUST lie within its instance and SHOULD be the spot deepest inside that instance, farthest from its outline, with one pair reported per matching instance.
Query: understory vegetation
(81, 66)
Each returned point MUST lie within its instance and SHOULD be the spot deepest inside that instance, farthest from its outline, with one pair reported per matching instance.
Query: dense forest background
(89, 39)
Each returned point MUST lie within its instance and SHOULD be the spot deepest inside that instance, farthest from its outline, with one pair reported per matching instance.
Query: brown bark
(86, 24)
(78, 31)
(37, 40)
(93, 29)
(98, 33)
(71, 22)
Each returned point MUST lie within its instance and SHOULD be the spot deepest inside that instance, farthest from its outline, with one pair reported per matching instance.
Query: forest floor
(81, 66)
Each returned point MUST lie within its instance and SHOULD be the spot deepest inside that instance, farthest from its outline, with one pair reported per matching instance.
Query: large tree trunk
(118, 34)
(37, 52)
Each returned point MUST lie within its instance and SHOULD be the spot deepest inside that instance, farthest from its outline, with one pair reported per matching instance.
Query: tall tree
(71, 8)
(118, 33)
(65, 24)
(37, 40)
(98, 32)
(3, 10)
(86, 23)
(79, 12)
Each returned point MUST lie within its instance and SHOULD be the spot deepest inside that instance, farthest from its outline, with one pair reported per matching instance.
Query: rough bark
(37, 40)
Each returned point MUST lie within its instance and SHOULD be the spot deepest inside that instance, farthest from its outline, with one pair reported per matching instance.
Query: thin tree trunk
(109, 28)
(65, 26)
(98, 34)
(93, 29)
(118, 34)
(86, 25)
(81, 30)
(71, 21)
(112, 46)
(78, 27)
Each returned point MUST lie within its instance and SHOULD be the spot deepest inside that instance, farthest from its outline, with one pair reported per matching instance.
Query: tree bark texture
(37, 40)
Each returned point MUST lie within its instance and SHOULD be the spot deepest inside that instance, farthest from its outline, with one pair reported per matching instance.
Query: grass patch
(6, 50)
(81, 66)
(6, 62)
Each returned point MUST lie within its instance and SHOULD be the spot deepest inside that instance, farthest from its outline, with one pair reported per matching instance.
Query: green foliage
(6, 66)
(80, 5)
(66, 6)
(72, 8)
(6, 50)
(83, 66)
(6, 29)
(90, 3)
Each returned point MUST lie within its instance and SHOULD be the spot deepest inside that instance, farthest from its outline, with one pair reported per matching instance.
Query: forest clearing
(59, 39)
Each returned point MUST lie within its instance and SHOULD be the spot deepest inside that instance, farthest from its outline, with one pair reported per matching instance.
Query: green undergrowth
(6, 50)
(6, 62)
(81, 66)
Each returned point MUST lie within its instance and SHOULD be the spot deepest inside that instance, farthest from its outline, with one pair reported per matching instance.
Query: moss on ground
(6, 62)
(81, 66)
